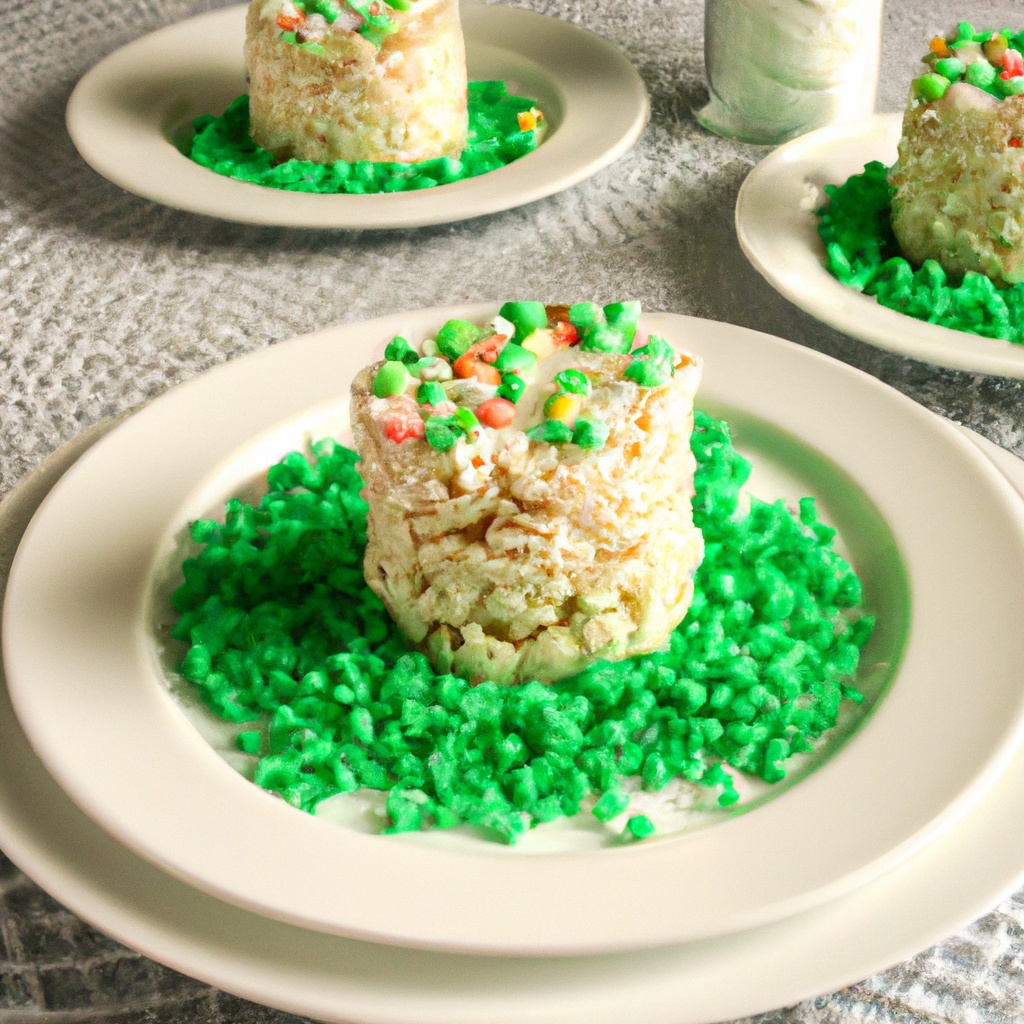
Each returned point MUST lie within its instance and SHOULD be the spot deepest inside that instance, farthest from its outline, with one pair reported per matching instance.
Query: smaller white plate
(778, 231)
(125, 112)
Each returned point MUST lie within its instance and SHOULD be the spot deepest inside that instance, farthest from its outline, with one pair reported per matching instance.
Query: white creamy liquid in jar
(778, 68)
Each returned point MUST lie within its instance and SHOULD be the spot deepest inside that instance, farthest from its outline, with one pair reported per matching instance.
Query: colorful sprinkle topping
(307, 23)
(988, 60)
(481, 372)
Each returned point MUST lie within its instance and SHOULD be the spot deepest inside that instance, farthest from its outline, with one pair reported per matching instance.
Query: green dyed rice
(284, 633)
(863, 254)
(223, 145)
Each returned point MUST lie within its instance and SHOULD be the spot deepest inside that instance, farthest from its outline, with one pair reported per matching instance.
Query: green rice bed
(284, 633)
(863, 254)
(495, 139)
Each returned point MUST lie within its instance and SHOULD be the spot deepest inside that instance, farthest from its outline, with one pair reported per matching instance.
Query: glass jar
(778, 68)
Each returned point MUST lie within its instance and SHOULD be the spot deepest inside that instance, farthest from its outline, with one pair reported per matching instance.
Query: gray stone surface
(107, 300)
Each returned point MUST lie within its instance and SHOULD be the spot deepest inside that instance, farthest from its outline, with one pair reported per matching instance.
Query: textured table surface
(107, 300)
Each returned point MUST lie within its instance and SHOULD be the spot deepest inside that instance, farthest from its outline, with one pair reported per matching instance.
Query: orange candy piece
(528, 119)
(401, 426)
(476, 361)
(496, 412)
(290, 22)
(565, 334)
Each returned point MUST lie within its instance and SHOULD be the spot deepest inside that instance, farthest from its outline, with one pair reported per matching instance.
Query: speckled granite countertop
(107, 300)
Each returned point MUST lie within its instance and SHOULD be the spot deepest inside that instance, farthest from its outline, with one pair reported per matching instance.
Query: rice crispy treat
(356, 80)
(959, 180)
(529, 485)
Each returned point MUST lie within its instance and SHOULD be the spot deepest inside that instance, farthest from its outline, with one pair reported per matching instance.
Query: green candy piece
(980, 74)
(648, 373)
(584, 315)
(1012, 86)
(551, 431)
(377, 35)
(638, 827)
(659, 350)
(611, 803)
(590, 433)
(493, 91)
(392, 379)
(574, 381)
(605, 338)
(931, 87)
(456, 337)
(367, 172)
(467, 420)
(430, 393)
(951, 67)
(399, 350)
(327, 8)
(511, 387)
(442, 432)
(515, 357)
(623, 316)
(526, 317)
(248, 742)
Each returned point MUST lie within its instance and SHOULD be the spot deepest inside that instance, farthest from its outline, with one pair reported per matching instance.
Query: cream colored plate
(964, 873)
(777, 230)
(910, 495)
(124, 113)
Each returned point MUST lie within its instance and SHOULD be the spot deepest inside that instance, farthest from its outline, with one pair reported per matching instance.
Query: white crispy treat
(510, 559)
(960, 183)
(404, 102)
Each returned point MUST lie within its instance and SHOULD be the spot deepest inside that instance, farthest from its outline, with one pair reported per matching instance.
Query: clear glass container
(778, 68)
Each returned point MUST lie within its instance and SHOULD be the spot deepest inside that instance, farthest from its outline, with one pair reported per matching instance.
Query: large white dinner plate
(778, 231)
(964, 873)
(911, 496)
(125, 114)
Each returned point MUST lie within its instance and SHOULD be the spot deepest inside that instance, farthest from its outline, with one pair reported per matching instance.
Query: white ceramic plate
(964, 873)
(124, 113)
(909, 494)
(777, 230)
